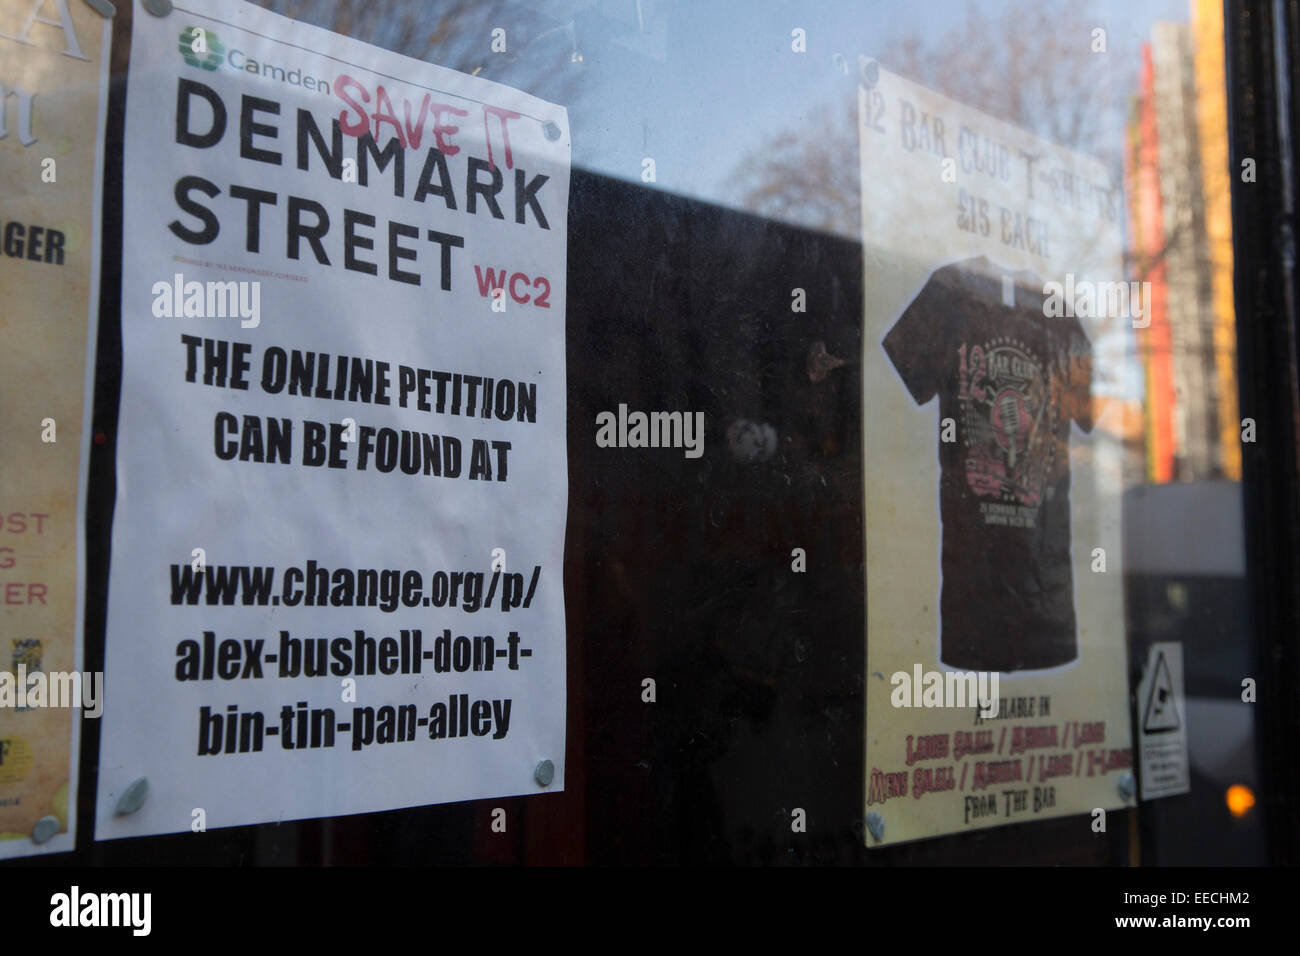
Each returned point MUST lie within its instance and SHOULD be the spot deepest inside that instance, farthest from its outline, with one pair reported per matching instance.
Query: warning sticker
(1162, 737)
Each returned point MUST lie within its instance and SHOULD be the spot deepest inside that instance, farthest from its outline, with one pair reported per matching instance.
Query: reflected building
(1177, 190)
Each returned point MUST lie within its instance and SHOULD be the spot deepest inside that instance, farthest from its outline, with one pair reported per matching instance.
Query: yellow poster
(995, 316)
(53, 89)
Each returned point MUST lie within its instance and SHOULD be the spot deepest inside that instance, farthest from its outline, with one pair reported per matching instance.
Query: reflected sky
(711, 90)
(701, 86)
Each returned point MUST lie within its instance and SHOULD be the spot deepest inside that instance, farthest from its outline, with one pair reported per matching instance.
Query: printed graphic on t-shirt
(1013, 380)
(1003, 397)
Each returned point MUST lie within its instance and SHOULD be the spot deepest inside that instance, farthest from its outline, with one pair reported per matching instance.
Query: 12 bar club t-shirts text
(1012, 379)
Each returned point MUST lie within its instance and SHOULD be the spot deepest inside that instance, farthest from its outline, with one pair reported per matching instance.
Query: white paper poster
(997, 685)
(53, 95)
(336, 581)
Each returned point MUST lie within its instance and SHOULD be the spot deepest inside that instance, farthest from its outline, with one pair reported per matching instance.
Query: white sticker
(1162, 724)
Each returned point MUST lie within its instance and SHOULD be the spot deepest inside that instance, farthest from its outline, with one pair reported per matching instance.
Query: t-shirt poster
(996, 667)
(342, 479)
(53, 92)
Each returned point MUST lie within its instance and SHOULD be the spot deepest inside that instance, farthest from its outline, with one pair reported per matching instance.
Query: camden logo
(201, 48)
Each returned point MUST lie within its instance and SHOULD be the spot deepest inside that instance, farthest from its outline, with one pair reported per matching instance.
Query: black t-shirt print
(1013, 380)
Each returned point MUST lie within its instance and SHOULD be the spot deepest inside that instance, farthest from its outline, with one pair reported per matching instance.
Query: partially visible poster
(336, 583)
(996, 689)
(53, 93)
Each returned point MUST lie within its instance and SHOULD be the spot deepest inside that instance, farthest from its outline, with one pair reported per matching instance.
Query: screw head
(544, 773)
(132, 798)
(868, 72)
(550, 130)
(45, 828)
(1127, 786)
(159, 8)
(876, 824)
